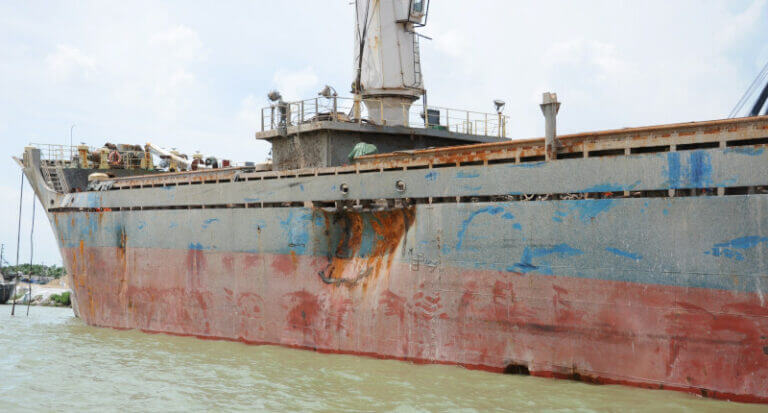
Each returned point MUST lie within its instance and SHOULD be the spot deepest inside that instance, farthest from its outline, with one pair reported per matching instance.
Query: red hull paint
(704, 341)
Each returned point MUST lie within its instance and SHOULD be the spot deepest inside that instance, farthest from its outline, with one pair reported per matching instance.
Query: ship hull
(642, 259)
(497, 286)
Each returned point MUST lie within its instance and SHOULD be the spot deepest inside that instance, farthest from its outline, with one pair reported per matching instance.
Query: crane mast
(388, 74)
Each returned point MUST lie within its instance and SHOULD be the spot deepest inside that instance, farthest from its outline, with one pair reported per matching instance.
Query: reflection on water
(52, 361)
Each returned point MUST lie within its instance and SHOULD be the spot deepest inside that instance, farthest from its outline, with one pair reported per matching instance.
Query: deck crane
(388, 76)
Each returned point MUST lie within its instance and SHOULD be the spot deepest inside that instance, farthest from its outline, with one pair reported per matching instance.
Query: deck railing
(56, 153)
(342, 109)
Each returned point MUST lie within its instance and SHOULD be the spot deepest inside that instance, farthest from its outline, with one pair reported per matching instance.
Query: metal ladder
(54, 177)
(416, 61)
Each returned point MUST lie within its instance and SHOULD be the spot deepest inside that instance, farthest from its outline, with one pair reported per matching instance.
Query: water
(52, 361)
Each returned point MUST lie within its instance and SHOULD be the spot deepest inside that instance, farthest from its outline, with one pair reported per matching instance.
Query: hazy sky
(193, 74)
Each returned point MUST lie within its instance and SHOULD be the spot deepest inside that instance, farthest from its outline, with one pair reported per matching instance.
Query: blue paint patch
(699, 173)
(432, 176)
(209, 221)
(665, 211)
(467, 175)
(491, 210)
(301, 187)
(249, 200)
(527, 165)
(297, 231)
(611, 187)
(472, 188)
(197, 246)
(169, 188)
(625, 254)
(557, 219)
(141, 225)
(526, 264)
(93, 200)
(507, 215)
(589, 209)
(727, 249)
(672, 170)
(728, 182)
(517, 226)
(745, 150)
(560, 249)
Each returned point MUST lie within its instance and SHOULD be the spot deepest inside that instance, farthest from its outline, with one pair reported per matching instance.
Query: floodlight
(327, 92)
(274, 96)
(499, 105)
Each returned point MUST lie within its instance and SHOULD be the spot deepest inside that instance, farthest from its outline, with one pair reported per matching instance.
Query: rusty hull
(617, 264)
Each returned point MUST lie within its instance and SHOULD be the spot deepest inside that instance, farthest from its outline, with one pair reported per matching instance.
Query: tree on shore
(54, 271)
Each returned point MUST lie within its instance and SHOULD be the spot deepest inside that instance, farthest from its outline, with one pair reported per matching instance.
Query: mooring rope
(31, 253)
(18, 245)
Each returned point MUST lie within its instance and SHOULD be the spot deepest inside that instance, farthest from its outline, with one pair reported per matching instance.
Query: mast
(387, 58)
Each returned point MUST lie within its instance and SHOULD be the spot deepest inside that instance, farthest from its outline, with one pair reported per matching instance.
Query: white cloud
(158, 76)
(450, 42)
(297, 84)
(737, 26)
(180, 42)
(597, 59)
(68, 63)
(250, 111)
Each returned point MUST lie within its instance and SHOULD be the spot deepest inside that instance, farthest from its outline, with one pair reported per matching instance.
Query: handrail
(342, 109)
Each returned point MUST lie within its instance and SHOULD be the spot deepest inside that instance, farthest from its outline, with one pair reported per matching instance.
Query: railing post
(317, 110)
(272, 117)
(302, 112)
(486, 125)
(288, 114)
(262, 119)
(469, 125)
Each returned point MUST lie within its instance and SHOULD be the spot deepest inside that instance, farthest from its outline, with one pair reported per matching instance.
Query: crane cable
(31, 253)
(362, 34)
(18, 244)
(761, 77)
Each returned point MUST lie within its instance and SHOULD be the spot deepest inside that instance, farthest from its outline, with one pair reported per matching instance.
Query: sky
(194, 74)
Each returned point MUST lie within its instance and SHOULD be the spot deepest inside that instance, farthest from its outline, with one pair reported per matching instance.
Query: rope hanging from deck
(31, 253)
(18, 244)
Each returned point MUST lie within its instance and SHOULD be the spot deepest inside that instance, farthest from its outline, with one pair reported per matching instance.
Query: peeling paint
(727, 249)
(490, 210)
(625, 254)
(467, 175)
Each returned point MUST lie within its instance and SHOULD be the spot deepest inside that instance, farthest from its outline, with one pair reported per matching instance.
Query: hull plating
(651, 292)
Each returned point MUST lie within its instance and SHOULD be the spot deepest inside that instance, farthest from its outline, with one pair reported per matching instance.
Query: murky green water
(52, 361)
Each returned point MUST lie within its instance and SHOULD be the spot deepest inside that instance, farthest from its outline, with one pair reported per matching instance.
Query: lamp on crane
(499, 104)
(329, 92)
(275, 96)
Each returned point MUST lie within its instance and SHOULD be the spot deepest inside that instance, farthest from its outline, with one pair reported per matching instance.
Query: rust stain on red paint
(347, 263)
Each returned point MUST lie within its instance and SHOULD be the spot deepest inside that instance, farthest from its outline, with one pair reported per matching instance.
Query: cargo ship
(390, 229)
